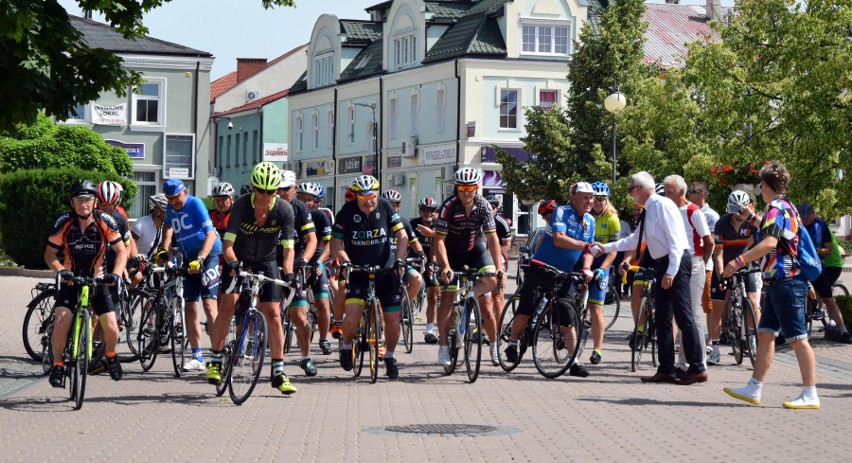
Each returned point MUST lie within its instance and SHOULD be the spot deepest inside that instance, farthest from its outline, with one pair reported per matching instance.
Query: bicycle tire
(453, 344)
(179, 340)
(640, 337)
(551, 356)
(375, 339)
(289, 330)
(473, 337)
(839, 289)
(358, 344)
(247, 358)
(735, 330)
(810, 307)
(39, 311)
(81, 361)
(750, 330)
(507, 319)
(612, 304)
(47, 348)
(406, 320)
(312, 322)
(225, 371)
(148, 336)
(128, 325)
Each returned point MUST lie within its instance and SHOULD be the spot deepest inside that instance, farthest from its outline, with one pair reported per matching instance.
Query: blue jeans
(784, 308)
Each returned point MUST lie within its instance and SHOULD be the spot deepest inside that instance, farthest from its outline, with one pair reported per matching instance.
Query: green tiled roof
(361, 31)
(447, 11)
(476, 32)
(301, 84)
(367, 63)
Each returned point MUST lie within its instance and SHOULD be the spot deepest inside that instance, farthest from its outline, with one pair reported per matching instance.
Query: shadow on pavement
(640, 401)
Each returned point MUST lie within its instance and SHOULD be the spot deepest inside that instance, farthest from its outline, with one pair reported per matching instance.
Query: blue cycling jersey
(190, 226)
(566, 220)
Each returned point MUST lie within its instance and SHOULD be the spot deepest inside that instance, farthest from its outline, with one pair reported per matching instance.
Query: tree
(46, 66)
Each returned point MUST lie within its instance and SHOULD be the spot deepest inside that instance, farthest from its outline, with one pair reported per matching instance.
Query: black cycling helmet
(245, 189)
(82, 188)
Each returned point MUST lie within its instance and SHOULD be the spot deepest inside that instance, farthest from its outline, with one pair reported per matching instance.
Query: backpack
(807, 259)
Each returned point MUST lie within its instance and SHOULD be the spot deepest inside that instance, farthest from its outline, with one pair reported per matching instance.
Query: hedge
(30, 202)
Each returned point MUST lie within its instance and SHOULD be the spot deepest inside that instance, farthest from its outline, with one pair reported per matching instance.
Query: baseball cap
(805, 209)
(288, 179)
(173, 186)
(582, 187)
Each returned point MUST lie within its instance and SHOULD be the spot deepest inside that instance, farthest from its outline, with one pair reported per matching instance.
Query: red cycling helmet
(547, 206)
(349, 196)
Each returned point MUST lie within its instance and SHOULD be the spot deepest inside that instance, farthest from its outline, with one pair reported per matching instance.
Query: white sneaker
(803, 403)
(747, 394)
(708, 350)
(444, 356)
(495, 358)
(714, 358)
(194, 365)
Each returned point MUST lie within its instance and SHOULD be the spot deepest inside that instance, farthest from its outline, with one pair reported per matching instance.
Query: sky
(231, 29)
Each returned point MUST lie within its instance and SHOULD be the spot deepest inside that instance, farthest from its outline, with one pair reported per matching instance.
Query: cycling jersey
(607, 228)
(220, 221)
(304, 224)
(84, 250)
(732, 241)
(463, 231)
(425, 242)
(147, 235)
(367, 238)
(253, 243)
(124, 231)
(191, 225)
(327, 212)
(566, 220)
(781, 221)
(322, 225)
(409, 232)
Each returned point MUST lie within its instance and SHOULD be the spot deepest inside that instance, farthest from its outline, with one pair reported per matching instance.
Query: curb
(23, 272)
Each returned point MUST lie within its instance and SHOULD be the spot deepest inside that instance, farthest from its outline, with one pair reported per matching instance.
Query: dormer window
(547, 38)
(323, 69)
(404, 50)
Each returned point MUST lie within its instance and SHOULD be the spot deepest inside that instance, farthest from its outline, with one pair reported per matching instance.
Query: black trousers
(676, 301)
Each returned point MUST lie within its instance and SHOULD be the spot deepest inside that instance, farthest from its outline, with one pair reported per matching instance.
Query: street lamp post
(614, 103)
(378, 167)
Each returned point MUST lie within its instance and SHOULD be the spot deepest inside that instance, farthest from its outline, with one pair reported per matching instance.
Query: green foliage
(30, 202)
(46, 66)
(844, 303)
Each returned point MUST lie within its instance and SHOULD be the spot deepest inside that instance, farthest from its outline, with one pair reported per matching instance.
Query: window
(440, 110)
(237, 152)
(371, 138)
(330, 124)
(220, 155)
(228, 153)
(414, 106)
(255, 151)
(148, 103)
(548, 99)
(315, 129)
(405, 50)
(351, 135)
(392, 116)
(245, 148)
(323, 70)
(300, 130)
(508, 109)
(180, 150)
(545, 39)
(78, 114)
(147, 183)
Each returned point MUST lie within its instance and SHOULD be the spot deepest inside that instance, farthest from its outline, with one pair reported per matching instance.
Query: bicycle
(245, 351)
(612, 304)
(368, 336)
(507, 319)
(38, 320)
(740, 322)
(466, 329)
(815, 310)
(301, 283)
(407, 307)
(644, 336)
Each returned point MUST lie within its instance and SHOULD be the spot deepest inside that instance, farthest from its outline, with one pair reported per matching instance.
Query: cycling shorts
(269, 292)
(477, 258)
(719, 295)
(204, 284)
(102, 301)
(537, 283)
(598, 289)
(641, 276)
(387, 290)
(822, 285)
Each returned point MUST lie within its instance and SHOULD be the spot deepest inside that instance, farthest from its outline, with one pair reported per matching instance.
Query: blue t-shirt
(190, 226)
(566, 220)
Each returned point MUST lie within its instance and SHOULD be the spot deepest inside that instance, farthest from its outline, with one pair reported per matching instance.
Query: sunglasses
(367, 196)
(285, 188)
(468, 188)
(600, 199)
(264, 192)
(630, 188)
(427, 209)
(692, 191)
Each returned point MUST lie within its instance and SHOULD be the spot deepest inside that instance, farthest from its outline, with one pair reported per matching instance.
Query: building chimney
(673, 2)
(713, 10)
(247, 67)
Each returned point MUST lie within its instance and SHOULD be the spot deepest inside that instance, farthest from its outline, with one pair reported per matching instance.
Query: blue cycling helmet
(321, 193)
(601, 189)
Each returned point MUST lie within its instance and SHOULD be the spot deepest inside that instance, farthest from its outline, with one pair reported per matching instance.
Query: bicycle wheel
(735, 331)
(47, 348)
(406, 320)
(39, 316)
(148, 334)
(641, 331)
(230, 342)
(550, 354)
(289, 330)
(612, 305)
(247, 358)
(507, 318)
(312, 322)
(811, 306)
(473, 336)
(453, 343)
(375, 340)
(128, 325)
(749, 330)
(583, 330)
(81, 362)
(178, 336)
(359, 345)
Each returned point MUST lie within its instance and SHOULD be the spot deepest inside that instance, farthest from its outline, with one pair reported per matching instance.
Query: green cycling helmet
(266, 176)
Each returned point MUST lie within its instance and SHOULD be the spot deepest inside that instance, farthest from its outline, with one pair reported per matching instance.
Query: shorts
(477, 258)
(537, 283)
(204, 284)
(103, 299)
(822, 285)
(719, 295)
(598, 289)
(387, 289)
(783, 308)
(319, 283)
(269, 292)
(641, 276)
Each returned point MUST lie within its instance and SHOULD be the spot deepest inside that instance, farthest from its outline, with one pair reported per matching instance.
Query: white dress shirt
(664, 233)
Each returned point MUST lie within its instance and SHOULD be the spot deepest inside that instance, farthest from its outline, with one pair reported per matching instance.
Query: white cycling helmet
(392, 196)
(109, 192)
(158, 200)
(660, 189)
(288, 179)
(428, 203)
(310, 188)
(223, 189)
(739, 198)
(365, 183)
(468, 176)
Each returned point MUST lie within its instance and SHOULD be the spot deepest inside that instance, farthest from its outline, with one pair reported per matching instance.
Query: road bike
(466, 328)
(407, 312)
(368, 336)
(740, 322)
(302, 279)
(39, 320)
(644, 336)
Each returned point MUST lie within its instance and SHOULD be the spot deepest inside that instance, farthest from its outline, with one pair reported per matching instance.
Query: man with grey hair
(661, 226)
(700, 249)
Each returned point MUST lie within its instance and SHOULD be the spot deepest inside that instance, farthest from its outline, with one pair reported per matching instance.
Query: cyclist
(82, 236)
(786, 291)
(697, 194)
(412, 276)
(361, 236)
(147, 231)
(700, 249)
(246, 189)
(339, 284)
(305, 240)
(189, 222)
(832, 264)
(223, 197)
(309, 194)
(260, 220)
(504, 234)
(565, 246)
(109, 195)
(425, 231)
(466, 236)
(607, 228)
(735, 233)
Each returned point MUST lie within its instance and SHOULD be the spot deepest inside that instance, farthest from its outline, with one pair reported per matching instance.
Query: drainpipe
(260, 133)
(380, 131)
(194, 118)
(458, 117)
(334, 151)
